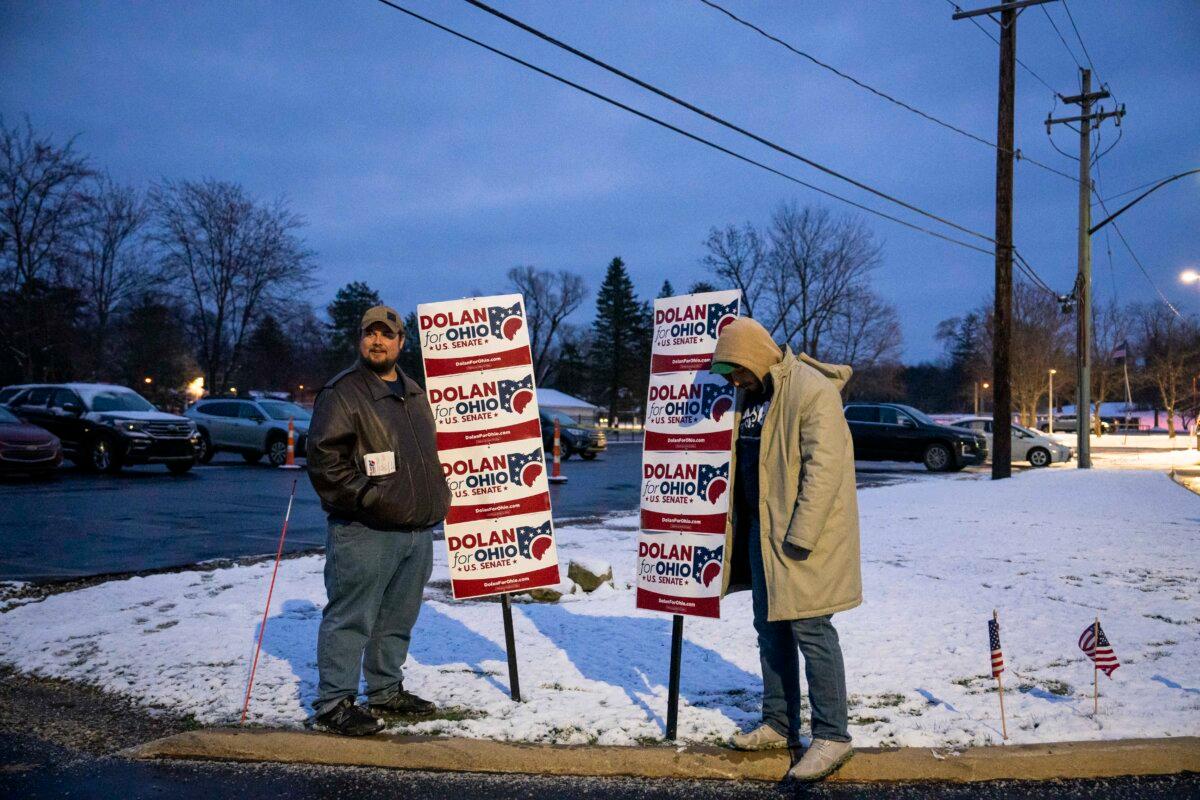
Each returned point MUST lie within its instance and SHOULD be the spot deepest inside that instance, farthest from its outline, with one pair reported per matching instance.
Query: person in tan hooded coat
(792, 535)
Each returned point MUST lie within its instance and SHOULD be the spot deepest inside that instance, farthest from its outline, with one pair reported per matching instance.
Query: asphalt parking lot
(77, 524)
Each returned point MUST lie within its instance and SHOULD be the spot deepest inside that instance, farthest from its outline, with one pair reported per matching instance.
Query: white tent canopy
(577, 409)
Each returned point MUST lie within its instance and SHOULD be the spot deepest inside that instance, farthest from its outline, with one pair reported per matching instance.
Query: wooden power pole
(1083, 282)
(1002, 322)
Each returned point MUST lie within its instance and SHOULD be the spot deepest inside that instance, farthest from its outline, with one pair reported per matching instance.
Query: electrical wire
(988, 34)
(1138, 261)
(1129, 191)
(723, 122)
(682, 132)
(1061, 38)
(1086, 54)
(1020, 259)
(880, 93)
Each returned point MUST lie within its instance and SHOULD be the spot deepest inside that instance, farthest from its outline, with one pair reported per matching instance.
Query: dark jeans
(374, 581)
(817, 640)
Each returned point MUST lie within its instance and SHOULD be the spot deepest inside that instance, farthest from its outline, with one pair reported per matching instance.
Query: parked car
(1027, 444)
(251, 426)
(894, 432)
(1068, 425)
(9, 392)
(26, 449)
(572, 437)
(103, 426)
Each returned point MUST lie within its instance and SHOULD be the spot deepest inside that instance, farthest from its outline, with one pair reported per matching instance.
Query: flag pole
(1095, 667)
(1000, 686)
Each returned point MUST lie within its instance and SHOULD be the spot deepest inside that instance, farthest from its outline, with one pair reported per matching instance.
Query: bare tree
(865, 332)
(1040, 342)
(550, 297)
(816, 266)
(42, 205)
(1171, 348)
(112, 260)
(1111, 327)
(232, 258)
(736, 256)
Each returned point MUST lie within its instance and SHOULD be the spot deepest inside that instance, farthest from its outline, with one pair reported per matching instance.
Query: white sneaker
(764, 737)
(820, 760)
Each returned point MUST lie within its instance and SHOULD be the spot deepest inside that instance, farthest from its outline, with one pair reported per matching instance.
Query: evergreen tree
(701, 286)
(345, 313)
(410, 362)
(269, 363)
(667, 290)
(620, 350)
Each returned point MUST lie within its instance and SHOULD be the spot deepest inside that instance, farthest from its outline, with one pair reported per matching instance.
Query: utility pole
(1083, 282)
(1002, 314)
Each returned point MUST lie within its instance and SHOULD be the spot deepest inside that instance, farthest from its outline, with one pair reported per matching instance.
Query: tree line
(103, 281)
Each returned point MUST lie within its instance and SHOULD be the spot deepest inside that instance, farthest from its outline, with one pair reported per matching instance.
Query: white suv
(252, 427)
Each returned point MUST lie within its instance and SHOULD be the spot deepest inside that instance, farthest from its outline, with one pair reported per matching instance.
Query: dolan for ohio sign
(480, 384)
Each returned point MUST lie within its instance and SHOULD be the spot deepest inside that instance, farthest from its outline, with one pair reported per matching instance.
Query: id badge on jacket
(377, 464)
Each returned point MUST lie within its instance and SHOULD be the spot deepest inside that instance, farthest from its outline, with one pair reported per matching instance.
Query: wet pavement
(76, 524)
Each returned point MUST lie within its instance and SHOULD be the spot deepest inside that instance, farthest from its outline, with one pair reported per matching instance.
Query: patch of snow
(1049, 549)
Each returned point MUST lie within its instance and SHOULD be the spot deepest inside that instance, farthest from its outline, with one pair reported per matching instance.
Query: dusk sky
(427, 166)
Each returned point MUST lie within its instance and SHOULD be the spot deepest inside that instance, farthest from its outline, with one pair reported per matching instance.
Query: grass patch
(887, 700)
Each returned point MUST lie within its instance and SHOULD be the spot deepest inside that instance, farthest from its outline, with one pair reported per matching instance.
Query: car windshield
(1025, 430)
(562, 418)
(919, 416)
(7, 416)
(119, 400)
(279, 409)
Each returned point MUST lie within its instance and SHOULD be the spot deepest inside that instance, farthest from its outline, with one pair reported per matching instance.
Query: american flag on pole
(1100, 651)
(1121, 350)
(997, 655)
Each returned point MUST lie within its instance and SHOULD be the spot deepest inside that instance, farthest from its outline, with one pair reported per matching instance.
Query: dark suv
(103, 427)
(573, 439)
(893, 432)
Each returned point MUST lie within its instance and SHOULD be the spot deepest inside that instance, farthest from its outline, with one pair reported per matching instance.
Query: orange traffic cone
(556, 476)
(291, 453)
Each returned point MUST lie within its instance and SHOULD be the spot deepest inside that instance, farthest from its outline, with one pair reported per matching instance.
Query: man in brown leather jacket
(372, 458)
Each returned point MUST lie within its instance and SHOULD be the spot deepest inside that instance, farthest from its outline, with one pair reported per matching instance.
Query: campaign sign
(478, 333)
(689, 411)
(484, 408)
(686, 329)
(494, 556)
(685, 491)
(495, 481)
(481, 387)
(680, 573)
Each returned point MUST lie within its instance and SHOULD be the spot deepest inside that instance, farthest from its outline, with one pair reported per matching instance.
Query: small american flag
(997, 655)
(1120, 351)
(1099, 651)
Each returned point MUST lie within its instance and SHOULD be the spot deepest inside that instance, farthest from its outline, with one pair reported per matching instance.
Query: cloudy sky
(428, 167)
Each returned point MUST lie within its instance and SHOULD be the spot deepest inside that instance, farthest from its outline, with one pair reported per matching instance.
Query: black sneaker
(404, 704)
(348, 719)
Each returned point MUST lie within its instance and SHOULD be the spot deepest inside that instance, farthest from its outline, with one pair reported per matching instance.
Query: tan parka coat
(807, 494)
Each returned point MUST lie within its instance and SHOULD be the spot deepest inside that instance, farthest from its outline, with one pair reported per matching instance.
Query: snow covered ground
(1049, 549)
(1139, 451)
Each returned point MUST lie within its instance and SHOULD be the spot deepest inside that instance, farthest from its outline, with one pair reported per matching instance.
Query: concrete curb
(1024, 762)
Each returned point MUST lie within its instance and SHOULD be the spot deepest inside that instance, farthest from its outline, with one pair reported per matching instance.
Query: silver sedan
(1027, 445)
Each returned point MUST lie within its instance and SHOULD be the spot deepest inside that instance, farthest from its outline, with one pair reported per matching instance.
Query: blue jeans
(374, 581)
(817, 640)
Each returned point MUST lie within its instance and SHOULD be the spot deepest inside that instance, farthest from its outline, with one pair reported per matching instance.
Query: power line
(680, 131)
(1131, 191)
(701, 140)
(988, 34)
(720, 121)
(1138, 261)
(1061, 38)
(1086, 54)
(878, 92)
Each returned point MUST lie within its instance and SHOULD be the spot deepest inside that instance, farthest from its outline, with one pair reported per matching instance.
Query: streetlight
(1050, 416)
(1189, 276)
(985, 385)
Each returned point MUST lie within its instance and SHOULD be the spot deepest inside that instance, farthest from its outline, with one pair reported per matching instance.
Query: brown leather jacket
(357, 413)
